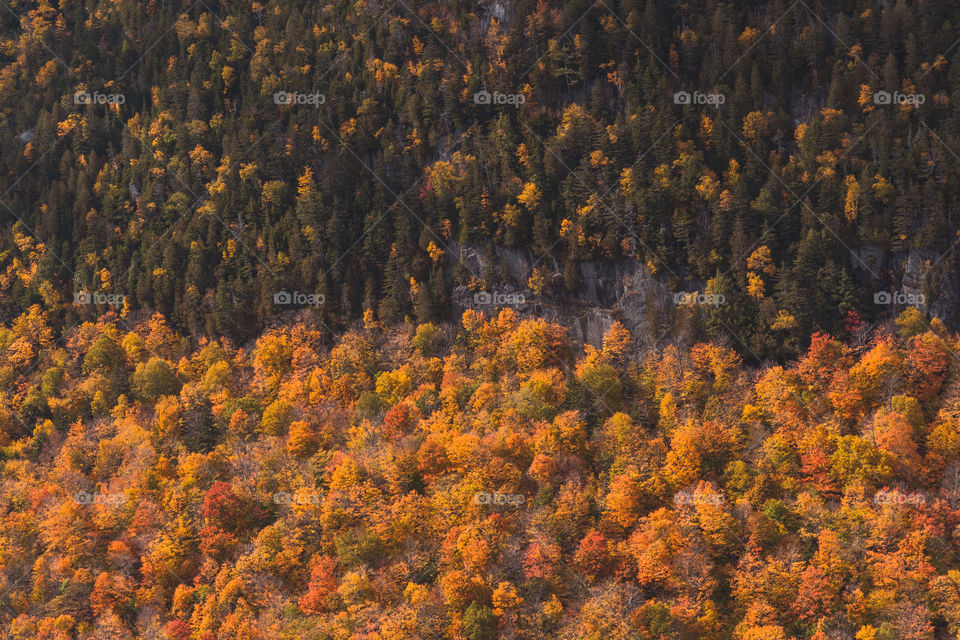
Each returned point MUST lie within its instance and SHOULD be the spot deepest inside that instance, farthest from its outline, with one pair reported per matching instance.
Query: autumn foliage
(488, 480)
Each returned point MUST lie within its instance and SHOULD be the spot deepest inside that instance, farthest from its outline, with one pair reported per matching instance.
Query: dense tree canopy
(484, 480)
(240, 398)
(812, 156)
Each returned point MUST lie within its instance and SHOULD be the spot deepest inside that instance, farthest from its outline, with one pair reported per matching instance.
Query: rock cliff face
(624, 290)
(928, 280)
(926, 274)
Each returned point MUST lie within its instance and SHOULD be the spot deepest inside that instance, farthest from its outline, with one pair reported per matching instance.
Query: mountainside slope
(479, 481)
(199, 158)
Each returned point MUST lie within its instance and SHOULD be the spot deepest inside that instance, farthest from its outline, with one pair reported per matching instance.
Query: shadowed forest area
(392, 320)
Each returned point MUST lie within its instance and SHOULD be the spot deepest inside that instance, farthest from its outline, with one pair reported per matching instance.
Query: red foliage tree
(593, 556)
(926, 365)
(323, 582)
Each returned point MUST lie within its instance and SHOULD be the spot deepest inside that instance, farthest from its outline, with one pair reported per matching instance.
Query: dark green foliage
(155, 378)
(200, 197)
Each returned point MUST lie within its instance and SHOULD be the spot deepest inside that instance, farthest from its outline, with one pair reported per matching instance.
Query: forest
(196, 158)
(478, 481)
(499, 319)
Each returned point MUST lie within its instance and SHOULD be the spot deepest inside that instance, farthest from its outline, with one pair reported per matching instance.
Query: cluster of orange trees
(683, 135)
(479, 481)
